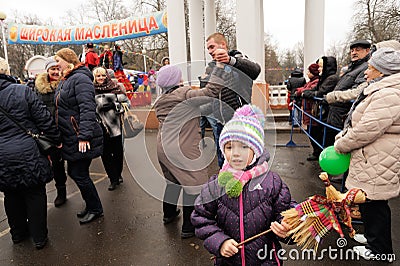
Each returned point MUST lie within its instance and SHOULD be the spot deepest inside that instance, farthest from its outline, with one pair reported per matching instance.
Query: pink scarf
(234, 180)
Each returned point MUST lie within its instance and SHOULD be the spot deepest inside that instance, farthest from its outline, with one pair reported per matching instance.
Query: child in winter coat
(244, 199)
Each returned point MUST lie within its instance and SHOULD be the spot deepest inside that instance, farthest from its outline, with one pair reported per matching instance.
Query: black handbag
(131, 125)
(44, 143)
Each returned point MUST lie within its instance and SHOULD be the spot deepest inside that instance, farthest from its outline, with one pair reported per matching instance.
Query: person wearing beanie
(24, 170)
(245, 198)
(45, 87)
(386, 61)
(182, 162)
(110, 110)
(308, 92)
(371, 135)
(82, 136)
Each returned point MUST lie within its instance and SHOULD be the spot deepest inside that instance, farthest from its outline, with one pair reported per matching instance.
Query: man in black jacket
(238, 88)
(354, 76)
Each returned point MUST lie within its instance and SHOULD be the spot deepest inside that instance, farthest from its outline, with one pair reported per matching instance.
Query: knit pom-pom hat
(246, 126)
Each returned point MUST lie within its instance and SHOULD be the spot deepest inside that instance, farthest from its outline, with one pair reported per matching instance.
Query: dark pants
(376, 217)
(79, 172)
(216, 128)
(330, 137)
(113, 157)
(26, 211)
(58, 164)
(171, 196)
(317, 134)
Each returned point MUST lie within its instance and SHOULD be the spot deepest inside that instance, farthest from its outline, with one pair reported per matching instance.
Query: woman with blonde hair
(108, 106)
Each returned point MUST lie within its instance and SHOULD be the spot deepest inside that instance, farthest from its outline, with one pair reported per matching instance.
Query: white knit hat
(50, 62)
(386, 61)
(4, 67)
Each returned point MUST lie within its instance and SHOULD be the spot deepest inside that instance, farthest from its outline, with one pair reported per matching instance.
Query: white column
(314, 20)
(250, 41)
(197, 64)
(176, 35)
(250, 31)
(210, 22)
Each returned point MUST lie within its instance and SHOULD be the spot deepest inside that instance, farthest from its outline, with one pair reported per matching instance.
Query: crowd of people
(78, 102)
(362, 106)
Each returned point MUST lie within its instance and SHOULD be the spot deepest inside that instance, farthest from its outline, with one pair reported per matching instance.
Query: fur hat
(386, 61)
(50, 62)
(68, 55)
(360, 43)
(4, 68)
(90, 45)
(313, 68)
(246, 126)
(168, 77)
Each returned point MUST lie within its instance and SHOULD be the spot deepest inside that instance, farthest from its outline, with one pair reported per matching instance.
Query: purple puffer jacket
(217, 218)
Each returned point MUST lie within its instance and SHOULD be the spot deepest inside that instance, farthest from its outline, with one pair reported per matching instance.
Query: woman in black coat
(24, 171)
(81, 133)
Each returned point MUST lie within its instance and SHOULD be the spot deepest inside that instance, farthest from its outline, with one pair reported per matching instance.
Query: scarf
(234, 180)
(107, 86)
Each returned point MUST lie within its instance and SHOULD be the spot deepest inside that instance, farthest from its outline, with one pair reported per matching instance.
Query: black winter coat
(238, 86)
(21, 164)
(76, 115)
(295, 81)
(353, 77)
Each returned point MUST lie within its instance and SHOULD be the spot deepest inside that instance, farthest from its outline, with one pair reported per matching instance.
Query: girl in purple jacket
(244, 199)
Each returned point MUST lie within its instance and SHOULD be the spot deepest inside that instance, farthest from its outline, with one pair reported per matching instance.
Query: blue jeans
(216, 128)
(79, 172)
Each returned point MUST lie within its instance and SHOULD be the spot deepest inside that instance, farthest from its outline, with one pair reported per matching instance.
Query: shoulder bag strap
(16, 122)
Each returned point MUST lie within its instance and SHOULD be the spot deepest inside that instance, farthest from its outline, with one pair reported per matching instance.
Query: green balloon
(332, 162)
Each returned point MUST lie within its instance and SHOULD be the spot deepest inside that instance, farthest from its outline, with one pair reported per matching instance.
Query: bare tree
(273, 69)
(377, 20)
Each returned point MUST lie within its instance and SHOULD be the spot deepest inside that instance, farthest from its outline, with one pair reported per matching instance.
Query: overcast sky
(283, 19)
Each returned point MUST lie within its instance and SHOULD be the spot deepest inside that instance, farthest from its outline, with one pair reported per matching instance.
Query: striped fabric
(246, 126)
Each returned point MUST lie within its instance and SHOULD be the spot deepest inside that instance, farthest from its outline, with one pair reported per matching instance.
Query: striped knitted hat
(246, 126)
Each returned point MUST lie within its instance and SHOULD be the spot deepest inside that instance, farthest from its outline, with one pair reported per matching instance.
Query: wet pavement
(131, 231)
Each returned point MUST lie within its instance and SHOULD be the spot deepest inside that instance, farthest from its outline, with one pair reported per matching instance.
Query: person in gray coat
(182, 162)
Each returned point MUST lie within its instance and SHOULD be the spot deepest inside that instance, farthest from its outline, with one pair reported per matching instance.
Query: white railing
(278, 95)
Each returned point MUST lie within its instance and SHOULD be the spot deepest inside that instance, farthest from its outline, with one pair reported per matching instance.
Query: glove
(324, 102)
(308, 94)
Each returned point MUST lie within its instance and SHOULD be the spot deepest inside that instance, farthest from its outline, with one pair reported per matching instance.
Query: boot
(187, 226)
(170, 212)
(61, 196)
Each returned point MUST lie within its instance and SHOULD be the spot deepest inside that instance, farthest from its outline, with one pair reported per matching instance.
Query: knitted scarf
(107, 86)
(234, 180)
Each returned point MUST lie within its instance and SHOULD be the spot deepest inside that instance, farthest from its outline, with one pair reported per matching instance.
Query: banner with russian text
(110, 31)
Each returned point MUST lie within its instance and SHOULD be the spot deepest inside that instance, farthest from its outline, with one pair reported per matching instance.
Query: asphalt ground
(131, 231)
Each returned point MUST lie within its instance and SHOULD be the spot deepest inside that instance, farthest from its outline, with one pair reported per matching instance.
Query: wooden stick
(253, 237)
